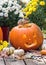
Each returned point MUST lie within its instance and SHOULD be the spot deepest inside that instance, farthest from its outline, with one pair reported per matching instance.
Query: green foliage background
(39, 17)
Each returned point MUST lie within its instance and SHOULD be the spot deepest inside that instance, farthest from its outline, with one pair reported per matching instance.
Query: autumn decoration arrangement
(23, 37)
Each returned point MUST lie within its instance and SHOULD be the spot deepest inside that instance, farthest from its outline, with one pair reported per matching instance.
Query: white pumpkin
(19, 52)
(6, 50)
(11, 50)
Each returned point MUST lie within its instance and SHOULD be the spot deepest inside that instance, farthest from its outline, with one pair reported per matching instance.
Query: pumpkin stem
(18, 47)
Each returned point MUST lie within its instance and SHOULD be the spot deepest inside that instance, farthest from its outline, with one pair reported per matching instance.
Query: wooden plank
(19, 62)
(35, 62)
(44, 58)
(23, 62)
(1, 61)
(29, 62)
(14, 62)
(39, 62)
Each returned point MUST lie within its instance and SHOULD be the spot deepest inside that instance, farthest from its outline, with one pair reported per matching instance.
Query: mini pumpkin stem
(18, 47)
(23, 21)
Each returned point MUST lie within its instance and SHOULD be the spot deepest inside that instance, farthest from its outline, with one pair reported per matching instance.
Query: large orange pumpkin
(1, 34)
(28, 36)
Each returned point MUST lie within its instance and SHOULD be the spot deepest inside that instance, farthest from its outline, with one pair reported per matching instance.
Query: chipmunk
(23, 21)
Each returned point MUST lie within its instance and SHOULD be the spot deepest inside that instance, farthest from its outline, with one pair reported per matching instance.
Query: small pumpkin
(43, 52)
(1, 34)
(27, 36)
(19, 52)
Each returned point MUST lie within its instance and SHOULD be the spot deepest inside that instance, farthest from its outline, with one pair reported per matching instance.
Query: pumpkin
(27, 36)
(43, 52)
(1, 34)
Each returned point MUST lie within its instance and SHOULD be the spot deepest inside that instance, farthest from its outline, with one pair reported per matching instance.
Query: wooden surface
(5, 61)
(38, 60)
